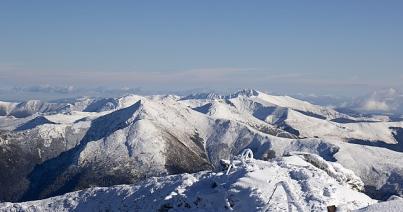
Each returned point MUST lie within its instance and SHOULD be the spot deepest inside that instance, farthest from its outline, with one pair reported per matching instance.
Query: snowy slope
(313, 127)
(104, 142)
(300, 182)
(388, 206)
(271, 101)
(83, 104)
(295, 116)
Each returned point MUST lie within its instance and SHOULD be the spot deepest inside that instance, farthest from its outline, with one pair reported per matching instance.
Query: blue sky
(329, 47)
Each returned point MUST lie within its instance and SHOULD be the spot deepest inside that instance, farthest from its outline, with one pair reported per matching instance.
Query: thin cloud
(221, 78)
(46, 89)
(374, 105)
(195, 77)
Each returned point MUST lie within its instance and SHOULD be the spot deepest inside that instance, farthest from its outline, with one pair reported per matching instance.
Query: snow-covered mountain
(85, 104)
(64, 146)
(301, 182)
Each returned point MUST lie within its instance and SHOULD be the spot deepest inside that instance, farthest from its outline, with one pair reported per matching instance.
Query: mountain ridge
(126, 139)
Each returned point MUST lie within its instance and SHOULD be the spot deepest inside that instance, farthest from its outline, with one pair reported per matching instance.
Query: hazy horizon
(53, 93)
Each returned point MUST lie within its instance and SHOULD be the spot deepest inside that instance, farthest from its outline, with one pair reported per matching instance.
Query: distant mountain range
(49, 149)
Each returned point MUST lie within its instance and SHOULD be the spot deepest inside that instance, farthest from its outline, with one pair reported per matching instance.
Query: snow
(311, 127)
(388, 206)
(291, 183)
(74, 116)
(11, 123)
(137, 134)
(140, 139)
(265, 110)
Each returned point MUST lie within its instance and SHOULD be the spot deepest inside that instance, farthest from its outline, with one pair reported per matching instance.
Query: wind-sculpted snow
(75, 144)
(334, 170)
(286, 184)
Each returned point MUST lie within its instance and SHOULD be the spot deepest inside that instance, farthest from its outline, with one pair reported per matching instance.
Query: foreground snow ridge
(298, 182)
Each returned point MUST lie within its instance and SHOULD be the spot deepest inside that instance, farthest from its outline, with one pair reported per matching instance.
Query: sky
(305, 46)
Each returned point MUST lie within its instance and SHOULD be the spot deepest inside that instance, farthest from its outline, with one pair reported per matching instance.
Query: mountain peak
(245, 92)
(210, 95)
